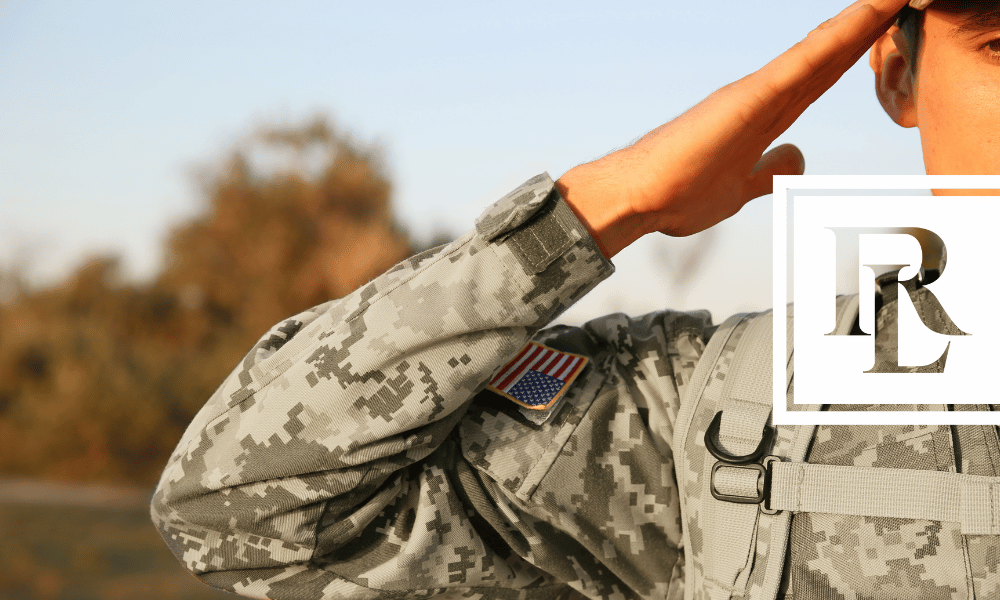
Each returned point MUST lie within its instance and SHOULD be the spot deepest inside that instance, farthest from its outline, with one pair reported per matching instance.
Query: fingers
(828, 51)
(786, 159)
(886, 8)
(847, 11)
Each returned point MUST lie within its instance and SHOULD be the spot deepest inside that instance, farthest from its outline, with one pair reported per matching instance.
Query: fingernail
(920, 4)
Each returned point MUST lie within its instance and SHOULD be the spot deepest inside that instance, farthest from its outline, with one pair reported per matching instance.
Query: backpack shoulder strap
(732, 548)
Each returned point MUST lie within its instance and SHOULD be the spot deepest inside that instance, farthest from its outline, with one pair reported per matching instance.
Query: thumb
(785, 159)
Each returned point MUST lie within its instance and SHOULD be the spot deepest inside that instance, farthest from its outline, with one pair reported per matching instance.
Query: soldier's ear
(895, 80)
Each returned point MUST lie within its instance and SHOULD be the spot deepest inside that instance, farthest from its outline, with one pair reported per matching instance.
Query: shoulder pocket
(499, 440)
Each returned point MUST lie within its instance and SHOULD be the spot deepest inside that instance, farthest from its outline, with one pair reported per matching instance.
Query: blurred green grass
(50, 552)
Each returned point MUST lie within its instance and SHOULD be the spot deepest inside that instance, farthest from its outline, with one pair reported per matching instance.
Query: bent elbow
(213, 531)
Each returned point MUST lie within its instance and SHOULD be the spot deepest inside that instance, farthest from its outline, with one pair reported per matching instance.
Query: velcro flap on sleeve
(515, 208)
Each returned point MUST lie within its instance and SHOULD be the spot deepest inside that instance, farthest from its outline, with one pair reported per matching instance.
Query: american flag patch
(538, 376)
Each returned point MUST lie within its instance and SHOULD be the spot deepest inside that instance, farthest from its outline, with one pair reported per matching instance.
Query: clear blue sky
(110, 107)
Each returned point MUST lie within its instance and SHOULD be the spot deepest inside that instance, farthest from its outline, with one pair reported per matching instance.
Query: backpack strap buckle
(766, 437)
(738, 487)
(761, 493)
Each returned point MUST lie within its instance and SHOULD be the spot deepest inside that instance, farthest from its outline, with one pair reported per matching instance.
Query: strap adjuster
(724, 459)
(763, 484)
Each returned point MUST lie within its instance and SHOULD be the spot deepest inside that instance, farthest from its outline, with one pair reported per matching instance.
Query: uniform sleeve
(590, 496)
(355, 452)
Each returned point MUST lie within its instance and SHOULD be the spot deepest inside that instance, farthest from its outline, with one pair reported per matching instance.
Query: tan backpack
(740, 477)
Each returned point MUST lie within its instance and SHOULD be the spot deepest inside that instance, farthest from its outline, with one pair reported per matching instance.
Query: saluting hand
(702, 167)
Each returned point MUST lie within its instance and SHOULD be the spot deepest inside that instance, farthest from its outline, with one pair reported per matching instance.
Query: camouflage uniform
(355, 452)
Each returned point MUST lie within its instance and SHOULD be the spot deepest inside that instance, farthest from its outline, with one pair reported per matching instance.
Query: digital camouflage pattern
(355, 453)
(850, 557)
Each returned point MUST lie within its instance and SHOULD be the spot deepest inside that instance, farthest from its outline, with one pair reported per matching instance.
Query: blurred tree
(100, 376)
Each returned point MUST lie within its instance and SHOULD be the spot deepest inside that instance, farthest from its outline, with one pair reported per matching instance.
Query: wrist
(602, 207)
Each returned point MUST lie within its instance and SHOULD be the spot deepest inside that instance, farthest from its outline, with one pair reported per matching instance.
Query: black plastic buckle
(713, 432)
(763, 491)
(724, 459)
(740, 499)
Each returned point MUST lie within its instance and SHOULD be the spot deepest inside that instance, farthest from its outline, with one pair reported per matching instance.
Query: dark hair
(911, 22)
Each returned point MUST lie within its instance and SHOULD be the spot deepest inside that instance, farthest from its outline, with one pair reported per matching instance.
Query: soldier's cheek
(958, 108)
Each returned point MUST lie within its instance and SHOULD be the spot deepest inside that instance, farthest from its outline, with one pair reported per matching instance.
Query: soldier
(427, 435)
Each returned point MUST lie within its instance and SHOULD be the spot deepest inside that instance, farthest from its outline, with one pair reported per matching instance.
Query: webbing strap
(729, 529)
(734, 376)
(747, 399)
(972, 500)
(736, 481)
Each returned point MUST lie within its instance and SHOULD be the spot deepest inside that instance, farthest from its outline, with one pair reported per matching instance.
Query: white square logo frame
(830, 369)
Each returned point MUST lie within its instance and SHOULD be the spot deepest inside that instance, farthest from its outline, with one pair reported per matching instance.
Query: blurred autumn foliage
(99, 376)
